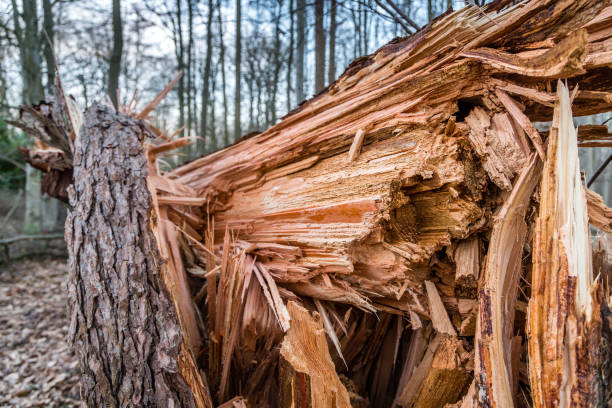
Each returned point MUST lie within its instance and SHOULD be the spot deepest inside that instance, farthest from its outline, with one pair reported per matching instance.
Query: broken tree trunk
(399, 205)
(123, 321)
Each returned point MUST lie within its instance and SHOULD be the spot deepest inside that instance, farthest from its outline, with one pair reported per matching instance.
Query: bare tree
(189, 68)
(206, 77)
(301, 50)
(277, 65)
(114, 67)
(49, 206)
(237, 129)
(25, 25)
(179, 49)
(48, 41)
(319, 46)
(226, 137)
(290, 57)
(331, 73)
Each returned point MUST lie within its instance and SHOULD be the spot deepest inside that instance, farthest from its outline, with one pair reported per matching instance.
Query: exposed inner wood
(308, 376)
(564, 309)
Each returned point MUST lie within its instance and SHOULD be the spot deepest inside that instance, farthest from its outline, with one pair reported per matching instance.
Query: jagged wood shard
(564, 310)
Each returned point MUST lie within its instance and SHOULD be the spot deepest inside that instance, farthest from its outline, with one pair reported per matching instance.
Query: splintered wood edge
(307, 374)
(438, 314)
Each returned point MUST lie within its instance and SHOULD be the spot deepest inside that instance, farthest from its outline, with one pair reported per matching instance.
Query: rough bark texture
(123, 322)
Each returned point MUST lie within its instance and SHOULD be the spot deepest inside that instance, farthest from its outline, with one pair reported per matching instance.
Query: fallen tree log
(399, 205)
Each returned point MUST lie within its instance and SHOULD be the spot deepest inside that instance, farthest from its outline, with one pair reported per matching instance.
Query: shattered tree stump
(395, 212)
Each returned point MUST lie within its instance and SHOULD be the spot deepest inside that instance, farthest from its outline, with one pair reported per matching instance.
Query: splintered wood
(379, 246)
(307, 372)
(565, 338)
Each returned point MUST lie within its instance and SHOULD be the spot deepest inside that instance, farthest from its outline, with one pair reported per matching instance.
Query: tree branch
(397, 20)
(404, 16)
(13, 162)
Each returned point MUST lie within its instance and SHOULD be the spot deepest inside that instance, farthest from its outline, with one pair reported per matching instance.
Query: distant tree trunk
(277, 62)
(301, 50)
(237, 129)
(250, 86)
(115, 59)
(48, 41)
(449, 4)
(365, 30)
(123, 323)
(331, 73)
(180, 56)
(430, 13)
(28, 41)
(50, 207)
(206, 78)
(3, 87)
(319, 46)
(214, 140)
(290, 56)
(189, 68)
(226, 137)
(29, 51)
(258, 117)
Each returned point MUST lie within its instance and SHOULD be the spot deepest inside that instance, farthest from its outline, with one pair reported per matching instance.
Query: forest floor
(37, 366)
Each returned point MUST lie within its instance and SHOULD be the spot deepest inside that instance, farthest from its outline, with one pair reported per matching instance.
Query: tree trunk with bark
(48, 41)
(123, 322)
(238, 76)
(226, 136)
(319, 46)
(331, 72)
(114, 67)
(27, 34)
(300, 50)
(206, 146)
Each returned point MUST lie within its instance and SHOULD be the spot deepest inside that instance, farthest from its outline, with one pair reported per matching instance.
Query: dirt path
(37, 366)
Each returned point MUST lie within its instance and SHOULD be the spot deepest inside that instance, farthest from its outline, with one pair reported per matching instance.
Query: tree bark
(301, 50)
(226, 137)
(331, 73)
(290, 57)
(48, 41)
(179, 52)
(237, 60)
(277, 65)
(206, 78)
(319, 46)
(190, 88)
(123, 323)
(32, 92)
(115, 60)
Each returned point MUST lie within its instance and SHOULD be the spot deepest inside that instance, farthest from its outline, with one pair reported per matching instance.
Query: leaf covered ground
(37, 365)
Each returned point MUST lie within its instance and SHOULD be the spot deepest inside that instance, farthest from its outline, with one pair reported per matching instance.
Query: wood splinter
(356, 146)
